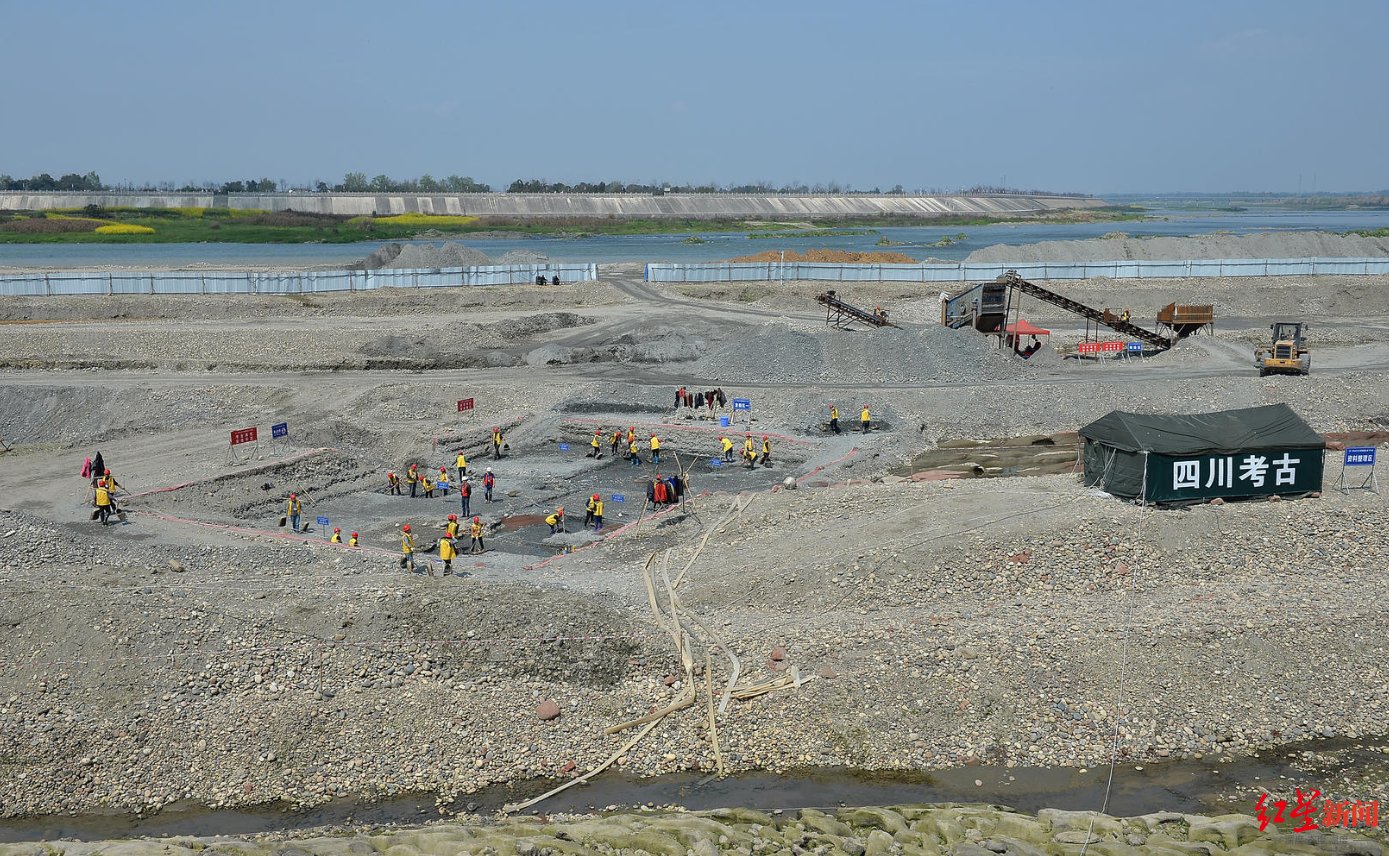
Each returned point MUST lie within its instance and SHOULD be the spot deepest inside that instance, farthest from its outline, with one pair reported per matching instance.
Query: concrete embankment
(562, 205)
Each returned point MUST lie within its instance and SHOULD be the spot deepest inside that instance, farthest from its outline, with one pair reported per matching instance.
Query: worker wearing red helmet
(393, 483)
(407, 549)
(337, 535)
(353, 541)
(588, 510)
(451, 530)
(597, 513)
(597, 444)
(496, 441)
(766, 450)
(476, 531)
(292, 510)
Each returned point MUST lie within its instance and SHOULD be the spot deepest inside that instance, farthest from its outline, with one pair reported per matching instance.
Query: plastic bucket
(723, 421)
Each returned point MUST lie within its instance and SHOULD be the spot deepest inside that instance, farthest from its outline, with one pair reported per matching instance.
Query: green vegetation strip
(221, 225)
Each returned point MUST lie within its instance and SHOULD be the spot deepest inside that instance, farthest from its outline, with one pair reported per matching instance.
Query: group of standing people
(103, 486)
(749, 451)
(424, 482)
(447, 544)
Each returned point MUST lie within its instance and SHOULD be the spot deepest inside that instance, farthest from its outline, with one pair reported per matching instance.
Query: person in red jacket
(489, 481)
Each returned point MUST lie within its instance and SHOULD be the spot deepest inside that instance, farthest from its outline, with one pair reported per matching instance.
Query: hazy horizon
(1091, 97)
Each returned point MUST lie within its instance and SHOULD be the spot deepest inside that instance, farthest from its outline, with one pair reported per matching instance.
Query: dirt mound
(776, 353)
(395, 256)
(833, 256)
(523, 257)
(1117, 245)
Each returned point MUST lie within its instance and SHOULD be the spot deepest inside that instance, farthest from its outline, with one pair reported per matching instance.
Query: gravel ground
(1007, 621)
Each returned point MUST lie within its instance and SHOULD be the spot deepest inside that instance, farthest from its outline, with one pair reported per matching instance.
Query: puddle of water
(1014, 456)
(1194, 786)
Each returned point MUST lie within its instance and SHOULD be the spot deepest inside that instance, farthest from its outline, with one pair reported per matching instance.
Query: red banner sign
(1099, 347)
(465, 404)
(243, 435)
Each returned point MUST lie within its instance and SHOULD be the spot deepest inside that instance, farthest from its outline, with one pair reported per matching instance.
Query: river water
(914, 241)
(1194, 786)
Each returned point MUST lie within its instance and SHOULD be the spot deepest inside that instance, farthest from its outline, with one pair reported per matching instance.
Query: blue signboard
(564, 447)
(278, 430)
(617, 497)
(1134, 347)
(1360, 456)
(322, 521)
(742, 404)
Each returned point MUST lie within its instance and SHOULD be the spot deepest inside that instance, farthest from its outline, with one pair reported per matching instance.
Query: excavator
(1286, 355)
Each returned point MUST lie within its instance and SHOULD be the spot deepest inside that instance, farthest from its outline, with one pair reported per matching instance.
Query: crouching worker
(556, 520)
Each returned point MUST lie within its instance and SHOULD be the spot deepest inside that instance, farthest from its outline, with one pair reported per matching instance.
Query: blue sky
(1087, 96)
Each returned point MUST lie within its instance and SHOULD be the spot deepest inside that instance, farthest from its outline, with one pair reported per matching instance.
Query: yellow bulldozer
(1286, 355)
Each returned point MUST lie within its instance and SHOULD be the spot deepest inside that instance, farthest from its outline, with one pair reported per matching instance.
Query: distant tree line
(357, 182)
(44, 181)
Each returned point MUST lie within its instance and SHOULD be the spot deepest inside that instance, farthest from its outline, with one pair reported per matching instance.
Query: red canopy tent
(1023, 327)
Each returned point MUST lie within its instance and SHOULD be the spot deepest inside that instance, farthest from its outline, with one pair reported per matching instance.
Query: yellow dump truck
(1286, 355)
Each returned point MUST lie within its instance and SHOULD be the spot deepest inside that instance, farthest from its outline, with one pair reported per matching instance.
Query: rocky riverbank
(956, 830)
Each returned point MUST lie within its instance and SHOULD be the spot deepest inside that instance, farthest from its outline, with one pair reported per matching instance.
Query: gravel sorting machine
(840, 314)
(1286, 354)
(986, 308)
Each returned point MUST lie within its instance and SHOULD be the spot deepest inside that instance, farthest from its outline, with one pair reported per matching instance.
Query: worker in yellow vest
(292, 510)
(476, 531)
(407, 549)
(393, 483)
(597, 444)
(727, 446)
(451, 529)
(834, 419)
(353, 541)
(617, 442)
(103, 500)
(633, 457)
(556, 520)
(462, 463)
(598, 514)
(412, 478)
(655, 449)
(766, 450)
(447, 552)
(337, 535)
(428, 486)
(864, 420)
(496, 442)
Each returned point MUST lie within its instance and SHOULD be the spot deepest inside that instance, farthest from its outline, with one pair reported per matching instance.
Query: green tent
(1165, 458)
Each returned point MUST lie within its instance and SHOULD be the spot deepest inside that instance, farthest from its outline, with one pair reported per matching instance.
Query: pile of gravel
(776, 353)
(523, 257)
(396, 256)
(1265, 245)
